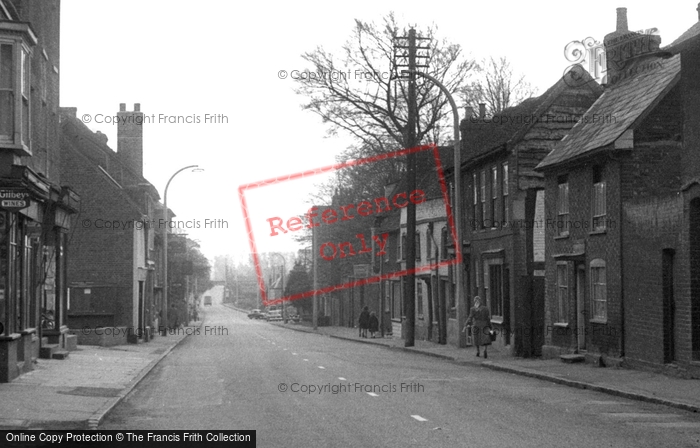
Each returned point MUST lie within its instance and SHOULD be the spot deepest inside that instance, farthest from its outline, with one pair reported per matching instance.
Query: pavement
(79, 391)
(639, 385)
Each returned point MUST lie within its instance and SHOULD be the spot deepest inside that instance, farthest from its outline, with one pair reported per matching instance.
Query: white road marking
(294, 354)
(321, 367)
(341, 378)
(419, 418)
(372, 394)
(284, 349)
(305, 359)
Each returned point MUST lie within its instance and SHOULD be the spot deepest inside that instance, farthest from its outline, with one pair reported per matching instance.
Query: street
(238, 373)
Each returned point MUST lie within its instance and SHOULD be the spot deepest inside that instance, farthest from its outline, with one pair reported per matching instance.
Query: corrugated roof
(618, 108)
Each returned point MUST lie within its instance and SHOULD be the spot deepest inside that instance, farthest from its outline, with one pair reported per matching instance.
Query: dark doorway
(142, 312)
(694, 233)
(669, 305)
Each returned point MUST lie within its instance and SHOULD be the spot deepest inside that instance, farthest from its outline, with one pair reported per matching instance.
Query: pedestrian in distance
(480, 321)
(373, 324)
(364, 322)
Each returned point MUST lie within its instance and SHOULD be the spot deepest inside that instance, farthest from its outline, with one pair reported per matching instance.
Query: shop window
(493, 286)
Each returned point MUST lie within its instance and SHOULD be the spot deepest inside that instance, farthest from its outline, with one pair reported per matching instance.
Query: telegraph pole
(411, 142)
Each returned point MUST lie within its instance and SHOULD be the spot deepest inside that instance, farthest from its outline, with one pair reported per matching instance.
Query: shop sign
(13, 199)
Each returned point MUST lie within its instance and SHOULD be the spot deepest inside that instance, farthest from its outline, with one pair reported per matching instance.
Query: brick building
(504, 203)
(622, 266)
(35, 207)
(434, 289)
(112, 275)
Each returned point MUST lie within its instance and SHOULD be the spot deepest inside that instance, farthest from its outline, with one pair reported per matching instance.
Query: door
(142, 312)
(580, 307)
(669, 306)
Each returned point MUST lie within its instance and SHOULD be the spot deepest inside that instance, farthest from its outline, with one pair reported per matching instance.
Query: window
(562, 310)
(599, 209)
(493, 286)
(505, 214)
(483, 199)
(494, 195)
(563, 206)
(443, 243)
(599, 299)
(15, 41)
(429, 242)
(396, 306)
(418, 246)
(419, 297)
(475, 203)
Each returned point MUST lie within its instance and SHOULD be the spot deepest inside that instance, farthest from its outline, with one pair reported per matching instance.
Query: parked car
(256, 314)
(274, 315)
(207, 300)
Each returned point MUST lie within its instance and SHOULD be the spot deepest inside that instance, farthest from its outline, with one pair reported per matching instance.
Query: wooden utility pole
(409, 292)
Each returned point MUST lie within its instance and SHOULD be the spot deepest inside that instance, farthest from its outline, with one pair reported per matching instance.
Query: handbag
(492, 335)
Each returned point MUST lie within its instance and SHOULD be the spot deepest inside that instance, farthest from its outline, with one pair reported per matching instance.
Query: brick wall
(601, 338)
(100, 253)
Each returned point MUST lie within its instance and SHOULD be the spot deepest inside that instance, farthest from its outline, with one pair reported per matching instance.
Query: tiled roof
(618, 108)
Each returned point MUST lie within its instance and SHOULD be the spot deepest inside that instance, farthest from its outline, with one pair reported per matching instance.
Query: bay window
(16, 40)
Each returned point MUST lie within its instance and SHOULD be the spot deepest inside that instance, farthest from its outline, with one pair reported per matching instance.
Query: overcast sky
(221, 57)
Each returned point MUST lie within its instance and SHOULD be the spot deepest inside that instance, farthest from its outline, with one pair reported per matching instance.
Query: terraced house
(623, 268)
(35, 206)
(504, 205)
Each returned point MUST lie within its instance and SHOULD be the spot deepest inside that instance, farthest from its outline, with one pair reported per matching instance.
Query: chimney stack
(468, 112)
(130, 137)
(622, 20)
(698, 10)
(482, 111)
(622, 46)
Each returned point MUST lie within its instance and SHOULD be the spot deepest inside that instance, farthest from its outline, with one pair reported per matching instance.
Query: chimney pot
(698, 10)
(122, 107)
(137, 107)
(482, 110)
(468, 112)
(622, 19)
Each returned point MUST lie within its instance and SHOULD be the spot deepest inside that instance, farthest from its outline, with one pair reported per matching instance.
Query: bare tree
(360, 92)
(498, 87)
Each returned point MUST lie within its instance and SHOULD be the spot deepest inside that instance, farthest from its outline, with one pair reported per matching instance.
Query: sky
(220, 61)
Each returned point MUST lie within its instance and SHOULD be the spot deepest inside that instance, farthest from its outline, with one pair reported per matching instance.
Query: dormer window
(16, 42)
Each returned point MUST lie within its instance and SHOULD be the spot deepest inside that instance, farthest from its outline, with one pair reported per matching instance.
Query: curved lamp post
(456, 208)
(195, 168)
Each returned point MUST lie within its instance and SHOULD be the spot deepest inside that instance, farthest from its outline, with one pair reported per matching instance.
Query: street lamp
(456, 206)
(165, 242)
(284, 269)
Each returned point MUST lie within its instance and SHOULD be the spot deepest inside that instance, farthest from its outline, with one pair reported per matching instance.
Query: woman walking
(480, 316)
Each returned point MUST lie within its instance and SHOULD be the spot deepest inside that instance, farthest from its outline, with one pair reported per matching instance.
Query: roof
(618, 108)
(511, 125)
(689, 34)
